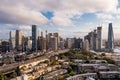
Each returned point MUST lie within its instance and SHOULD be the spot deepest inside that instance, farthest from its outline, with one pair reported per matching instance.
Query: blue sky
(68, 18)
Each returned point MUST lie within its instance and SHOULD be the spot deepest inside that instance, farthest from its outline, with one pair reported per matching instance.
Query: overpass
(7, 68)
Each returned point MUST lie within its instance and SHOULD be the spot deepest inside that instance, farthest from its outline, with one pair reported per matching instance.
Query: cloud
(11, 14)
(25, 27)
(105, 17)
(29, 11)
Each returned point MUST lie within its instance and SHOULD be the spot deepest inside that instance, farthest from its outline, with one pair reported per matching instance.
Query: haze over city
(70, 19)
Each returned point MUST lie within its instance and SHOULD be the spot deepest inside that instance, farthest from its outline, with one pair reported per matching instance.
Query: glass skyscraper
(110, 37)
(34, 37)
(99, 36)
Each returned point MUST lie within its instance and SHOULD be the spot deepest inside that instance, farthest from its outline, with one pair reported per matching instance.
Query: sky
(70, 18)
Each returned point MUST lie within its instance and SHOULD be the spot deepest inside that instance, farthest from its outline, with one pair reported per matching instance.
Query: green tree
(67, 75)
(3, 77)
(110, 61)
(82, 72)
(52, 62)
(72, 73)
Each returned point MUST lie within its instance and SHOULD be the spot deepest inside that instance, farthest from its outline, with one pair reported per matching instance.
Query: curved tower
(110, 37)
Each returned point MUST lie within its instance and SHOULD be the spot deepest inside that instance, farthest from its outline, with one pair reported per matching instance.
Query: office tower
(49, 35)
(78, 43)
(62, 43)
(99, 36)
(12, 40)
(86, 45)
(70, 42)
(34, 37)
(25, 44)
(58, 39)
(46, 40)
(29, 44)
(53, 43)
(110, 37)
(5, 46)
(42, 43)
(91, 40)
(19, 40)
(95, 41)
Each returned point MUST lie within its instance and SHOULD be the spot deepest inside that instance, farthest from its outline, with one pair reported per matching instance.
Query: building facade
(12, 40)
(19, 40)
(110, 37)
(99, 36)
(34, 37)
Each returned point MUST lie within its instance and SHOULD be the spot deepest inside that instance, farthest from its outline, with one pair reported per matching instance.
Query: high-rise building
(58, 39)
(34, 37)
(41, 43)
(86, 45)
(29, 44)
(53, 43)
(91, 34)
(12, 40)
(99, 36)
(70, 42)
(19, 39)
(46, 40)
(62, 43)
(78, 43)
(95, 41)
(5, 46)
(110, 37)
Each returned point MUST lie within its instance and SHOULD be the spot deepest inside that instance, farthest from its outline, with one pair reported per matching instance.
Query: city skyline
(65, 17)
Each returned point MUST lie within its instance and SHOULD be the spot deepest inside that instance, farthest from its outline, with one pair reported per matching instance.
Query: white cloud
(105, 17)
(20, 15)
(28, 11)
(24, 27)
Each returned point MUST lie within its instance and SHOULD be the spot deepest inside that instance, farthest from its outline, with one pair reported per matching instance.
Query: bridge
(10, 67)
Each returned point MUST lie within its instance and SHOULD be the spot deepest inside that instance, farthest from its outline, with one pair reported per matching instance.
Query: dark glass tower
(110, 38)
(34, 37)
(99, 35)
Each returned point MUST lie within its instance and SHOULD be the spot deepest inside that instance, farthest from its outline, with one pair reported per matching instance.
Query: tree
(60, 77)
(103, 55)
(3, 77)
(110, 61)
(82, 72)
(52, 62)
(72, 73)
(14, 74)
(96, 58)
(67, 75)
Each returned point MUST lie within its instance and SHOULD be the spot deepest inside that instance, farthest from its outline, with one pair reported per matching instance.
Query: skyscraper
(110, 37)
(12, 40)
(19, 39)
(58, 39)
(95, 42)
(86, 45)
(53, 43)
(91, 40)
(99, 36)
(41, 43)
(34, 37)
